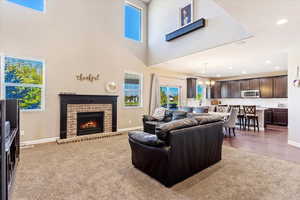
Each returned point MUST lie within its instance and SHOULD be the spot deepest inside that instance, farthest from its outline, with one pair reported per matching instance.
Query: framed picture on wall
(186, 14)
(23, 79)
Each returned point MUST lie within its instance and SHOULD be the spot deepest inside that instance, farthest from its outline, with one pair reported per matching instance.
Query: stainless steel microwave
(250, 94)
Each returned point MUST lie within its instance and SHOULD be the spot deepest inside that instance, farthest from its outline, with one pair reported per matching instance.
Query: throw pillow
(159, 114)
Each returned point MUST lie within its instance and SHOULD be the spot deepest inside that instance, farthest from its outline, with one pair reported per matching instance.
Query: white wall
(164, 18)
(73, 37)
(294, 97)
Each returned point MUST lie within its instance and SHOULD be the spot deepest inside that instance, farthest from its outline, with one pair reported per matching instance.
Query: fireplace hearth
(90, 123)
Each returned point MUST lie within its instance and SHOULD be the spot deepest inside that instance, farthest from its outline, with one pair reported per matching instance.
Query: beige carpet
(102, 170)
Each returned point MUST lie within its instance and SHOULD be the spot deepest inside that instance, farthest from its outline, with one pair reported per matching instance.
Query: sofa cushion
(159, 114)
(206, 119)
(146, 138)
(179, 115)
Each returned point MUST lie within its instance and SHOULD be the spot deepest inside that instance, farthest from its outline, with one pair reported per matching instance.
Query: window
(133, 22)
(38, 5)
(170, 97)
(133, 90)
(23, 80)
(200, 92)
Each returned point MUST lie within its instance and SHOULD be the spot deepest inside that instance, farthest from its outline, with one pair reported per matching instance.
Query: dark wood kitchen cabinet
(280, 87)
(225, 89)
(269, 116)
(254, 84)
(244, 85)
(216, 91)
(280, 116)
(266, 87)
(235, 89)
(269, 87)
(191, 88)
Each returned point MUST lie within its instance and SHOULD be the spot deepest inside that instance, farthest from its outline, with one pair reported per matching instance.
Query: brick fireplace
(87, 114)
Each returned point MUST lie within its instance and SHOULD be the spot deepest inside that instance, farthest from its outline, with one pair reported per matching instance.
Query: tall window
(133, 90)
(133, 22)
(169, 97)
(38, 5)
(24, 80)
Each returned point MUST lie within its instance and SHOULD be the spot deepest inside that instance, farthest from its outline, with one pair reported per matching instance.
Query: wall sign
(91, 78)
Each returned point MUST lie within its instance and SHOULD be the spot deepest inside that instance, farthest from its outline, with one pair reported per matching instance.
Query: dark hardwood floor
(271, 142)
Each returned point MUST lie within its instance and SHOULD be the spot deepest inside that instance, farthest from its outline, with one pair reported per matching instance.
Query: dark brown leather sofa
(183, 153)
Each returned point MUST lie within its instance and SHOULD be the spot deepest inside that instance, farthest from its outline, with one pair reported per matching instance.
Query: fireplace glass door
(90, 123)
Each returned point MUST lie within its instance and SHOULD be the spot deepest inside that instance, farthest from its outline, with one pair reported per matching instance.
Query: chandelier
(210, 83)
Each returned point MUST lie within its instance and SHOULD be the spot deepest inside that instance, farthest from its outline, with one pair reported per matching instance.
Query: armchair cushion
(146, 138)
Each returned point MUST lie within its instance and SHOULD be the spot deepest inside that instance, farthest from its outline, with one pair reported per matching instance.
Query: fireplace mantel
(66, 99)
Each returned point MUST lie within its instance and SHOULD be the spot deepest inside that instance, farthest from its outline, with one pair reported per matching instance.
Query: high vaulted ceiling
(266, 51)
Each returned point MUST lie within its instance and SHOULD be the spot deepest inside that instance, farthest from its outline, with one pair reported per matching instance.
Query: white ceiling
(270, 41)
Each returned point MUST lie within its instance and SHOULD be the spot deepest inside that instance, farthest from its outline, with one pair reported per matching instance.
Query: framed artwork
(23, 79)
(38, 5)
(186, 14)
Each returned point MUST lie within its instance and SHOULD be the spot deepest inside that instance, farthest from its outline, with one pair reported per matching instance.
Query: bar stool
(240, 116)
(223, 108)
(250, 114)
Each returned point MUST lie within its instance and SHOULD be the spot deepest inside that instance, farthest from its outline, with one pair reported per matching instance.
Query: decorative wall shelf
(201, 23)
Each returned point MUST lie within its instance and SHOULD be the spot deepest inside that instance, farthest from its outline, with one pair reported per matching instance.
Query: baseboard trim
(129, 129)
(293, 143)
(39, 141)
(54, 139)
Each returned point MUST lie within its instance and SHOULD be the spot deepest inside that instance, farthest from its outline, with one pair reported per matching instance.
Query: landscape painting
(23, 80)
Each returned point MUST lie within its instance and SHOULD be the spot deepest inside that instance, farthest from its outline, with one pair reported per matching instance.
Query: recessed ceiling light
(268, 62)
(282, 21)
(230, 68)
(218, 75)
(244, 72)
